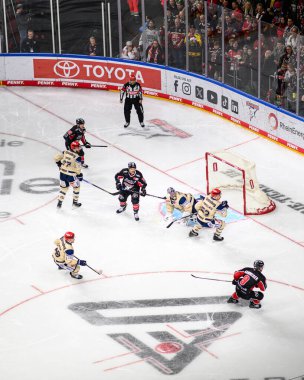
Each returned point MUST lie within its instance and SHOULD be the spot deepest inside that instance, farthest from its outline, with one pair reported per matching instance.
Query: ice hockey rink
(145, 317)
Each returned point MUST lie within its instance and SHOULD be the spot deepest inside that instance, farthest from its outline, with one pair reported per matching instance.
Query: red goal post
(226, 170)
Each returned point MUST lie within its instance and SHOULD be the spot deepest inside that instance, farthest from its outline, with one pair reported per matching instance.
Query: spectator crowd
(281, 40)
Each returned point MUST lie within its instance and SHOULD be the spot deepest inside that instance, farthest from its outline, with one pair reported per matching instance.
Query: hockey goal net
(229, 171)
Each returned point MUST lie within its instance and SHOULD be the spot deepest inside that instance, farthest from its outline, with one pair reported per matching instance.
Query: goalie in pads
(206, 210)
(176, 200)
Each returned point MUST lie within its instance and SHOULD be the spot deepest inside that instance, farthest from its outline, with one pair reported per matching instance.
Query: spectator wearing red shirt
(154, 53)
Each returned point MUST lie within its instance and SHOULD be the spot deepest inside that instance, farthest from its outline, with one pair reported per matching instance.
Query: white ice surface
(41, 338)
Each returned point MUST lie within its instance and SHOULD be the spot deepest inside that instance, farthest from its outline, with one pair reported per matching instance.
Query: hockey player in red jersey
(130, 181)
(245, 280)
(77, 133)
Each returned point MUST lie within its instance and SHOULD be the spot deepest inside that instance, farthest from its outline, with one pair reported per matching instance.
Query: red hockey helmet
(75, 145)
(216, 192)
(132, 78)
(69, 235)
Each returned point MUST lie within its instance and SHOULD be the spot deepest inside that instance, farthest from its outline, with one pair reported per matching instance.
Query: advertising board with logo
(97, 71)
(182, 87)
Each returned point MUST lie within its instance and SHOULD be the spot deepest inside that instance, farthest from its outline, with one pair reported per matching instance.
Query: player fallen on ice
(69, 163)
(77, 133)
(130, 182)
(134, 97)
(176, 200)
(63, 255)
(206, 209)
(245, 280)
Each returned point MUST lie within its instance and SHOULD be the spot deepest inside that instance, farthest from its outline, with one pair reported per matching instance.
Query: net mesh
(229, 171)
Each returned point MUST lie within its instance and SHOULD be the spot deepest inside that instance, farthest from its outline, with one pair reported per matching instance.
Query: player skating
(69, 163)
(77, 133)
(206, 209)
(63, 255)
(133, 92)
(130, 182)
(245, 280)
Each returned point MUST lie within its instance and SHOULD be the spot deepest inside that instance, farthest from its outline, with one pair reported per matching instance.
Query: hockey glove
(82, 263)
(80, 176)
(120, 100)
(143, 192)
(87, 145)
(225, 204)
(59, 163)
(118, 185)
(234, 282)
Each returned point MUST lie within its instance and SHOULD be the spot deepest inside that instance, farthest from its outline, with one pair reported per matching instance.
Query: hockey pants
(139, 109)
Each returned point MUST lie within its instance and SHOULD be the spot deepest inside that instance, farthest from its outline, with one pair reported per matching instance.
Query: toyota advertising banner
(95, 71)
(200, 92)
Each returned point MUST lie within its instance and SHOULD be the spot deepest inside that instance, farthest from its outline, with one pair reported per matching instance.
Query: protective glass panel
(152, 34)
(214, 33)
(196, 37)
(241, 50)
(176, 34)
(80, 27)
(300, 97)
(29, 26)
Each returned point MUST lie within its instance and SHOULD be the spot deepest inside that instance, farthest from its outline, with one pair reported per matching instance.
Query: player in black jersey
(76, 133)
(133, 92)
(130, 182)
(245, 280)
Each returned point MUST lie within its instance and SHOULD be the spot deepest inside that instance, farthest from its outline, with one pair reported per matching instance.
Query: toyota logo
(273, 121)
(66, 69)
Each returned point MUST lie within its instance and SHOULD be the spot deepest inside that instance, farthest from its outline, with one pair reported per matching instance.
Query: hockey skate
(76, 275)
(84, 165)
(142, 124)
(253, 305)
(218, 238)
(121, 209)
(193, 233)
(59, 204)
(126, 125)
(76, 204)
(136, 217)
(232, 300)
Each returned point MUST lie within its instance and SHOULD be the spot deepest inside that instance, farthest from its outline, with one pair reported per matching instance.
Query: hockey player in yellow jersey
(63, 255)
(69, 163)
(206, 209)
(176, 200)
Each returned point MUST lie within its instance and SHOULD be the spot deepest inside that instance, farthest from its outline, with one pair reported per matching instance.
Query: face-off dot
(168, 347)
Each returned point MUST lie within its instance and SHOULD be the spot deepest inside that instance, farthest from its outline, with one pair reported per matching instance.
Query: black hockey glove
(87, 145)
(80, 176)
(82, 263)
(118, 185)
(234, 282)
(143, 192)
(59, 163)
(225, 204)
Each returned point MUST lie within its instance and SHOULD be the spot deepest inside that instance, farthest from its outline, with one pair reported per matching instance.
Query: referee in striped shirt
(133, 92)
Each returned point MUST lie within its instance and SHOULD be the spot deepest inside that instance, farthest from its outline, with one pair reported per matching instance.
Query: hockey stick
(97, 146)
(149, 195)
(212, 279)
(175, 220)
(94, 270)
(100, 188)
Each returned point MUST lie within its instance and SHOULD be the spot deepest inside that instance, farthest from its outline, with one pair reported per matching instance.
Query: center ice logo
(167, 340)
(18, 174)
